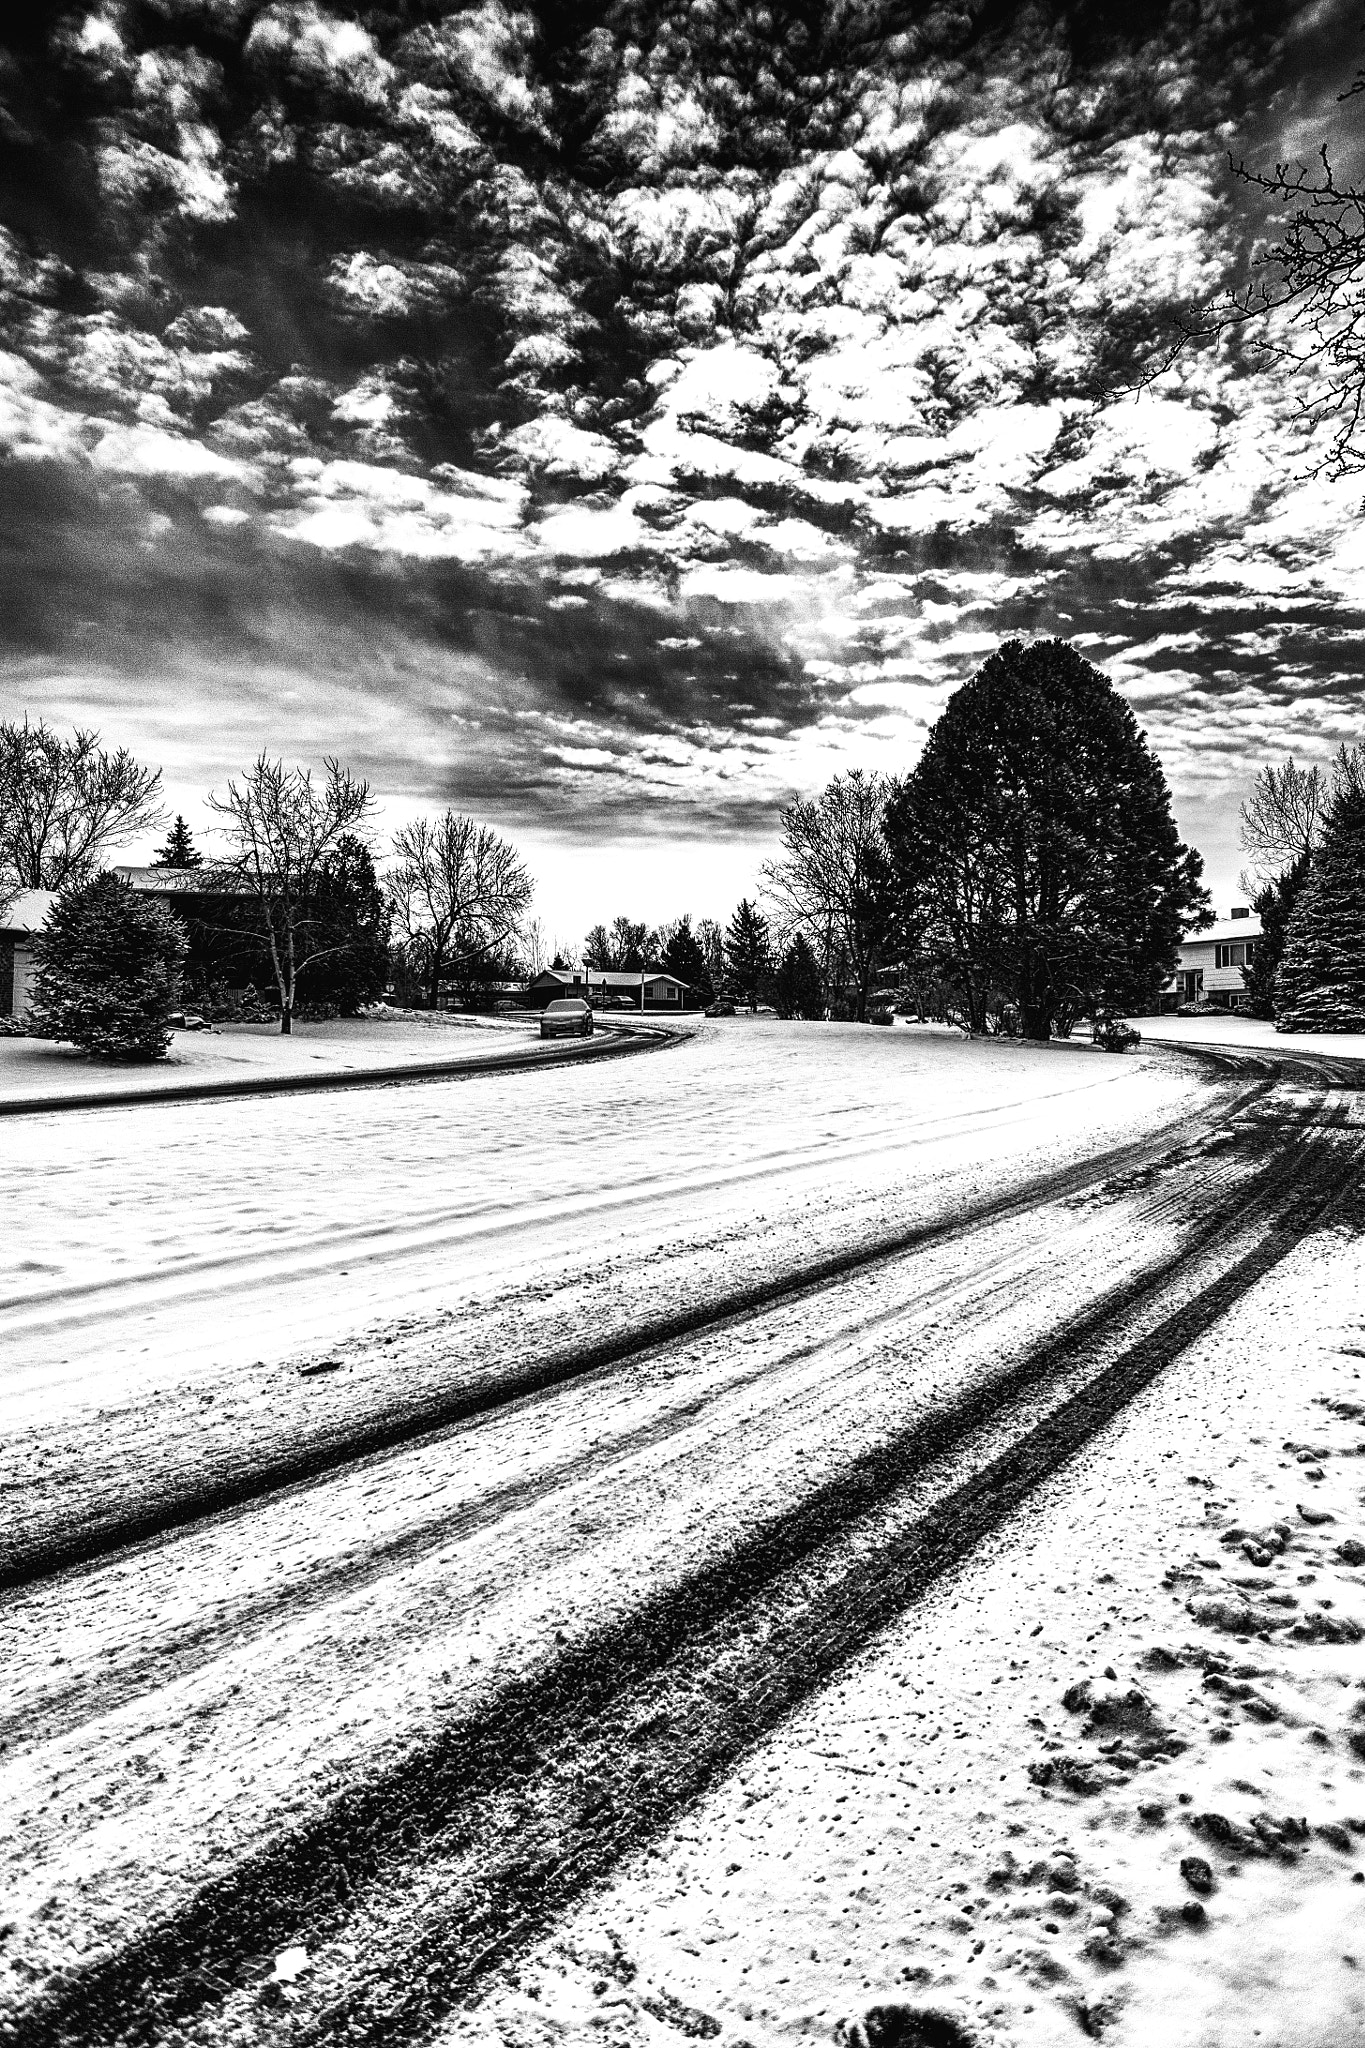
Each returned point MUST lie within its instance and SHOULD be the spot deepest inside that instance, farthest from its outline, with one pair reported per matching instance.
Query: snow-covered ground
(630, 1529)
(1230, 1027)
(184, 1240)
(891, 1843)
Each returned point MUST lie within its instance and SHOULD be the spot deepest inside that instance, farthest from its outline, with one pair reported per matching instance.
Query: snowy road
(410, 1607)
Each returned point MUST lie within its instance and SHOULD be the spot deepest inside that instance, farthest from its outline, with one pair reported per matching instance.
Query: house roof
(606, 977)
(179, 880)
(1224, 928)
(28, 911)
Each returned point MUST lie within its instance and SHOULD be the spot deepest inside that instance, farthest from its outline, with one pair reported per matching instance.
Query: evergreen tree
(748, 952)
(1036, 835)
(798, 990)
(683, 956)
(351, 966)
(108, 971)
(1274, 905)
(180, 850)
(1321, 982)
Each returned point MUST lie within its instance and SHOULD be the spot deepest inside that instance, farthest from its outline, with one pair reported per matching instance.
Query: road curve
(659, 1550)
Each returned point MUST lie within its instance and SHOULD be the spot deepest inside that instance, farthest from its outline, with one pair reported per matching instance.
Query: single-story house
(26, 914)
(641, 989)
(1212, 963)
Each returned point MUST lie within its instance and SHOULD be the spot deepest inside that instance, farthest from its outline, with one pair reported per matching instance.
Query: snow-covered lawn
(32, 1067)
(1230, 1027)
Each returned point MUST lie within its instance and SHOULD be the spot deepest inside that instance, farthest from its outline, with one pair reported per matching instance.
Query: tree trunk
(287, 986)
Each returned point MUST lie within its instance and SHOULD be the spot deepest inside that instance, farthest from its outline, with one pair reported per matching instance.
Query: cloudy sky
(614, 418)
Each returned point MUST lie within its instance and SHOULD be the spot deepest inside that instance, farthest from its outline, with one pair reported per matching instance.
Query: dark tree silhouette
(355, 917)
(1036, 836)
(1320, 985)
(748, 952)
(683, 956)
(798, 987)
(621, 950)
(180, 850)
(1274, 905)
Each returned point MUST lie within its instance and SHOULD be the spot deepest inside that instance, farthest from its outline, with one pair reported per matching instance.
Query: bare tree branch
(833, 881)
(459, 891)
(281, 829)
(64, 803)
(1282, 818)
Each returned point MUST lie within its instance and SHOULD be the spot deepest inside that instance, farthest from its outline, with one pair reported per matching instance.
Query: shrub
(108, 971)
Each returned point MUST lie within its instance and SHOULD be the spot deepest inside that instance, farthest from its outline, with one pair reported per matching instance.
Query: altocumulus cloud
(648, 409)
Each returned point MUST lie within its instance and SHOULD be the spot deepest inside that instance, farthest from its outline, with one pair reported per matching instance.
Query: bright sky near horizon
(614, 419)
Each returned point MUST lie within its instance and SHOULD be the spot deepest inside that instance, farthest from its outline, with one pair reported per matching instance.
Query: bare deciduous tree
(833, 881)
(1303, 308)
(459, 892)
(282, 828)
(624, 949)
(64, 803)
(536, 945)
(1282, 818)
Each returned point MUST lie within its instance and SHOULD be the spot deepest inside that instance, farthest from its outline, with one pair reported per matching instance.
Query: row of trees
(1027, 872)
(1304, 833)
(294, 893)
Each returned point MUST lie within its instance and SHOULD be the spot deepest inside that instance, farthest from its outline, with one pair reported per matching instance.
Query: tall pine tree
(1274, 905)
(180, 850)
(1321, 982)
(748, 952)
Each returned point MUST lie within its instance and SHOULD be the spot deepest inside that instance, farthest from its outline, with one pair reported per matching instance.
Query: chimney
(1240, 910)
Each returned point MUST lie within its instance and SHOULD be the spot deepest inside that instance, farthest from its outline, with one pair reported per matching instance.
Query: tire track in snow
(29, 1554)
(91, 1690)
(459, 1855)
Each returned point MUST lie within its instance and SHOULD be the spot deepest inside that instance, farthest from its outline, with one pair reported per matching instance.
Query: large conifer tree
(748, 952)
(108, 971)
(1274, 905)
(1035, 836)
(1321, 982)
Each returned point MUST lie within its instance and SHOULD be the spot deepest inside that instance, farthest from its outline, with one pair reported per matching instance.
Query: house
(640, 989)
(24, 916)
(1212, 961)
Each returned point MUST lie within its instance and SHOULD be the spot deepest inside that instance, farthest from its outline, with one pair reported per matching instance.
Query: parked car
(722, 1007)
(569, 1017)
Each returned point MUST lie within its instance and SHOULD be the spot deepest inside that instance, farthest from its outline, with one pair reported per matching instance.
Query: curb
(622, 1043)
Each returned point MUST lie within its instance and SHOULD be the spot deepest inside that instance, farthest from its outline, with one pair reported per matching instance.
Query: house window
(1236, 954)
